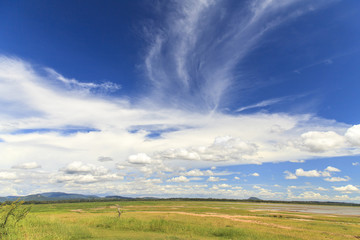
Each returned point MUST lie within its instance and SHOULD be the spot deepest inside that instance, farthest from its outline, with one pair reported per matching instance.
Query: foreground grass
(178, 220)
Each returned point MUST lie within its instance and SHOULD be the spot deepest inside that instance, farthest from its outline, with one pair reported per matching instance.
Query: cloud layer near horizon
(55, 127)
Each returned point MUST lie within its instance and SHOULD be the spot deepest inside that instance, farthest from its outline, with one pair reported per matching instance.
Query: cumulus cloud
(197, 173)
(87, 178)
(346, 189)
(337, 179)
(82, 168)
(353, 135)
(140, 158)
(311, 173)
(81, 173)
(224, 148)
(332, 169)
(355, 164)
(255, 174)
(289, 175)
(314, 141)
(310, 195)
(213, 179)
(28, 165)
(180, 179)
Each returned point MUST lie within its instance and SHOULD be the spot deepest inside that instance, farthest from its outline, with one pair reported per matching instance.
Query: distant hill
(117, 197)
(254, 199)
(49, 196)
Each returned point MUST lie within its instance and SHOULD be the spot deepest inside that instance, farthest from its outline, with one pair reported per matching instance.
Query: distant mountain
(117, 197)
(49, 196)
(254, 199)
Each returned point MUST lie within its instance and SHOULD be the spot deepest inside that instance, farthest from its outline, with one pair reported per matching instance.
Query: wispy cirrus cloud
(74, 85)
(193, 53)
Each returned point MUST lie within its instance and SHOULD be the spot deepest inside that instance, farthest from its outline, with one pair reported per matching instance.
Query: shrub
(11, 214)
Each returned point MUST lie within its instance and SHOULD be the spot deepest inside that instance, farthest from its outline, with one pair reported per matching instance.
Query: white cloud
(80, 173)
(180, 179)
(120, 166)
(153, 180)
(355, 164)
(337, 179)
(314, 141)
(197, 173)
(73, 84)
(28, 165)
(255, 174)
(353, 135)
(203, 138)
(315, 173)
(140, 158)
(213, 179)
(310, 195)
(87, 178)
(290, 175)
(347, 189)
(262, 104)
(8, 176)
(222, 149)
(81, 168)
(311, 173)
(321, 189)
(187, 42)
(297, 161)
(236, 178)
(332, 169)
(342, 198)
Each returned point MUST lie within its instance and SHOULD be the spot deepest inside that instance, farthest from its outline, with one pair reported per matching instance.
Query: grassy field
(177, 220)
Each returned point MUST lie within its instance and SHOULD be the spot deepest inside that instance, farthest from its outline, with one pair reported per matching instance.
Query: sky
(190, 98)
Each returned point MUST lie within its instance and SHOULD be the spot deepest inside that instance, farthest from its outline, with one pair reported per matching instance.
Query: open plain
(188, 220)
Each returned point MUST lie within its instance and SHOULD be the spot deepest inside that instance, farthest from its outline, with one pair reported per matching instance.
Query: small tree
(11, 214)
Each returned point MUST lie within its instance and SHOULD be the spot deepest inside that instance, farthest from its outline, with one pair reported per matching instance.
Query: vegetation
(10, 215)
(177, 220)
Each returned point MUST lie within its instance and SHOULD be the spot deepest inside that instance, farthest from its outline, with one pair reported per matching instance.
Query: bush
(10, 215)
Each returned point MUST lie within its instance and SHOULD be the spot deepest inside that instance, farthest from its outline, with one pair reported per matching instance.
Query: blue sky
(229, 99)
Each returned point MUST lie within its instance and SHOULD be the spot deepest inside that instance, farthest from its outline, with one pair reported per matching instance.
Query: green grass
(178, 220)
